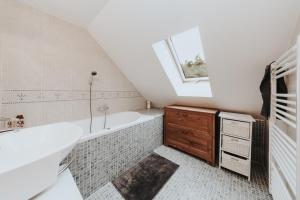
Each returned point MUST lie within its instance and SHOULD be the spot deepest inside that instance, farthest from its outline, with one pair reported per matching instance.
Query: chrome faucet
(8, 130)
(104, 108)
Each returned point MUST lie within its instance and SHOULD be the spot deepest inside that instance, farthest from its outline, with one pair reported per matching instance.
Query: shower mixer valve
(103, 108)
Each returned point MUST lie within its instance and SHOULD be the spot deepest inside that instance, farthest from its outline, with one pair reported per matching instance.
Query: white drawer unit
(236, 146)
(236, 164)
(236, 128)
(235, 142)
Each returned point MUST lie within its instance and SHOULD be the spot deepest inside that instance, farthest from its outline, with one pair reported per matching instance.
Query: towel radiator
(284, 137)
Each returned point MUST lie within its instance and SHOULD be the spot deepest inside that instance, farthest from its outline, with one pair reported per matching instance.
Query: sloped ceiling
(79, 12)
(240, 38)
(297, 28)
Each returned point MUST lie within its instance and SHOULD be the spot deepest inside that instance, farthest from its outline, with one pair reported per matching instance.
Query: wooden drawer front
(189, 140)
(187, 131)
(236, 128)
(235, 145)
(235, 164)
(200, 121)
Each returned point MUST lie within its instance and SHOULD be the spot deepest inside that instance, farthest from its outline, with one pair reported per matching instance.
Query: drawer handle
(235, 159)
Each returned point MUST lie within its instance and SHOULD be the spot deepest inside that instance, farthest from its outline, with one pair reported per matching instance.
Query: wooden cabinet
(191, 130)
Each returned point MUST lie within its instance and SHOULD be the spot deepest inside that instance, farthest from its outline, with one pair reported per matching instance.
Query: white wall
(297, 32)
(240, 38)
(297, 26)
(79, 12)
(45, 65)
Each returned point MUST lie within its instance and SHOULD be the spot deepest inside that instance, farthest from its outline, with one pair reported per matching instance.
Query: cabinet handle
(235, 159)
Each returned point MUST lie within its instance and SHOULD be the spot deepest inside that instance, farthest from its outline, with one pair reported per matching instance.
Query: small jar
(148, 104)
(11, 123)
(20, 121)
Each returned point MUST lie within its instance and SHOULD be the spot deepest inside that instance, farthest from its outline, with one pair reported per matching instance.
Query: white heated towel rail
(284, 154)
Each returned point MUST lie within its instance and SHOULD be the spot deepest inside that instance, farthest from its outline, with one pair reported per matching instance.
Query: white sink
(29, 158)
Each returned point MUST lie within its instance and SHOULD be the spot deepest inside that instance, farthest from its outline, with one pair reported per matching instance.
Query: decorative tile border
(35, 96)
(102, 159)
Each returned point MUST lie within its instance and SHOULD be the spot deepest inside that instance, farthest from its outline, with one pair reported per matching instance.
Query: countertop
(155, 112)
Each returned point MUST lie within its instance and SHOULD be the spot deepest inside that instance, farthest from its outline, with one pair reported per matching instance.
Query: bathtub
(104, 154)
(114, 122)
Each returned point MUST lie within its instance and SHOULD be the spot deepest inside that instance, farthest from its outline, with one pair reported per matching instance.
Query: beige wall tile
(45, 64)
(31, 111)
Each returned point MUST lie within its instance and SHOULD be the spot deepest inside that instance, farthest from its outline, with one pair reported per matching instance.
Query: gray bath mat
(143, 181)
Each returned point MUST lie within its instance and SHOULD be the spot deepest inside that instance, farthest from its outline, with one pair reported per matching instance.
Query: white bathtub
(114, 122)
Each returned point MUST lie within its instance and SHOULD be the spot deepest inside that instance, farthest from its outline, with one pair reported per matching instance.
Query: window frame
(179, 66)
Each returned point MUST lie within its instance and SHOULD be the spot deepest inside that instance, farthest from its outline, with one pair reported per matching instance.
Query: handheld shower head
(93, 73)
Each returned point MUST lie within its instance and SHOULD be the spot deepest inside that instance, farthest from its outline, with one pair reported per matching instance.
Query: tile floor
(196, 180)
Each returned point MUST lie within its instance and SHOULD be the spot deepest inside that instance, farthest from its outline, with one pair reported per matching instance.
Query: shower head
(93, 73)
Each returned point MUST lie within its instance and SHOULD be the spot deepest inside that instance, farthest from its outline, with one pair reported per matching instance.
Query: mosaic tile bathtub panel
(102, 159)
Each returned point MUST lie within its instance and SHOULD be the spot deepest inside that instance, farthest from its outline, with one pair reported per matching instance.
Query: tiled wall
(100, 160)
(45, 65)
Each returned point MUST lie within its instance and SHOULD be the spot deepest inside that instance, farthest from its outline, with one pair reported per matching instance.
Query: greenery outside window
(187, 51)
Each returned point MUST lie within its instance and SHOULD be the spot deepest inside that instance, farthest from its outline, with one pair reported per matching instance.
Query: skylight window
(187, 51)
(182, 58)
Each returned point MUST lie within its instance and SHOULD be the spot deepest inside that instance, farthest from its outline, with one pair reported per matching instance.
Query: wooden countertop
(195, 109)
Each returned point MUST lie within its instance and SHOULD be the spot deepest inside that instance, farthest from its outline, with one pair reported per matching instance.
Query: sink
(29, 158)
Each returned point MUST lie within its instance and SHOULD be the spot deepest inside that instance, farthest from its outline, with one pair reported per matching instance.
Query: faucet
(104, 108)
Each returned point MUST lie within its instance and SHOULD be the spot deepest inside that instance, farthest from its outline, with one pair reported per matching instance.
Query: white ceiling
(79, 12)
(240, 38)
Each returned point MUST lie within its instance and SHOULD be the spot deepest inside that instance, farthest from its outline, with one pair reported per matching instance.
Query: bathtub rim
(144, 117)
